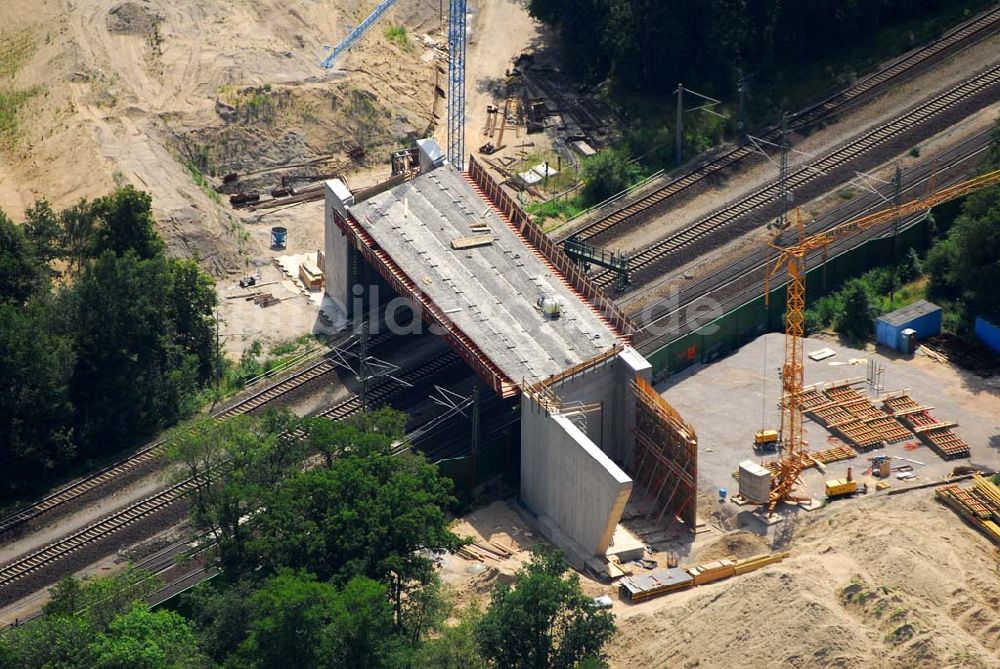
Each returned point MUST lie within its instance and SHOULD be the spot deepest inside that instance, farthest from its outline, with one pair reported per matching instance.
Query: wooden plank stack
(980, 506)
(934, 432)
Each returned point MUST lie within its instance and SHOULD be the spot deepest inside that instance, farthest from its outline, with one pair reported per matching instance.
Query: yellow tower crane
(794, 455)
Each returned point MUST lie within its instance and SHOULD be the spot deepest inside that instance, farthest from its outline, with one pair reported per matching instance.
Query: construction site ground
(878, 580)
(728, 400)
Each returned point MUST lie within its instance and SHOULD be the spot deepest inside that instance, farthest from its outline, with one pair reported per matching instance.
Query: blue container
(278, 235)
(922, 317)
(988, 333)
(722, 494)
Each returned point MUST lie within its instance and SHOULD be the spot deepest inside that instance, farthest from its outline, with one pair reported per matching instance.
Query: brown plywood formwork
(666, 456)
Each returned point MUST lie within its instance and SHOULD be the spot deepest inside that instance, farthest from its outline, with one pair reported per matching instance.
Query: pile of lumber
(481, 550)
(980, 506)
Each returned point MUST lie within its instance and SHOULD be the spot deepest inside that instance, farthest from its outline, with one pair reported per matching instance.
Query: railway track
(742, 280)
(157, 502)
(922, 113)
(958, 38)
(142, 457)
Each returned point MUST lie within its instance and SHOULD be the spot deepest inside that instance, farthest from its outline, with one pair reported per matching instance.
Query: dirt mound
(886, 582)
(130, 18)
(739, 544)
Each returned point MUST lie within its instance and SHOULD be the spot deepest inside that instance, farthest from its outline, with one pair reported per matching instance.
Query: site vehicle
(766, 440)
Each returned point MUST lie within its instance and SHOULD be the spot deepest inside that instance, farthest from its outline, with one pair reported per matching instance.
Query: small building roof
(909, 313)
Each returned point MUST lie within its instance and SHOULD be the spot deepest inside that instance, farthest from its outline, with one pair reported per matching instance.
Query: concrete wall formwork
(573, 487)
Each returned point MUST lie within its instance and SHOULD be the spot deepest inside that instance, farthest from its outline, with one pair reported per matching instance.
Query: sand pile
(888, 582)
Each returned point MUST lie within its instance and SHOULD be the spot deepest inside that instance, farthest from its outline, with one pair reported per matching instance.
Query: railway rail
(646, 259)
(159, 501)
(960, 37)
(742, 280)
(147, 454)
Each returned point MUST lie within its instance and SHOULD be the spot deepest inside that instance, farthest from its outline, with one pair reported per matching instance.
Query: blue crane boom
(357, 33)
(456, 69)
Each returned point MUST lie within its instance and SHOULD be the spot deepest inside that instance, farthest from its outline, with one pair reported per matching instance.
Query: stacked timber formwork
(980, 506)
(850, 415)
(665, 459)
(935, 433)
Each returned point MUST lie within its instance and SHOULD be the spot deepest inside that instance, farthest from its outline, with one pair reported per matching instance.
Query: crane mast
(457, 10)
(794, 455)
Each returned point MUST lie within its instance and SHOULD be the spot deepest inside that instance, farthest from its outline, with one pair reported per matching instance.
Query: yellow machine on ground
(765, 440)
(841, 487)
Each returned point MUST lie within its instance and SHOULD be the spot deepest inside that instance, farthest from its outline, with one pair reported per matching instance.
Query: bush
(607, 173)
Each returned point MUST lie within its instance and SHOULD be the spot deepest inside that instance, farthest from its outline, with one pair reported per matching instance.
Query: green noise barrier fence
(753, 318)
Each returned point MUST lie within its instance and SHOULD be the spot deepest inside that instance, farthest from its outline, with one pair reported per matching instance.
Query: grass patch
(557, 209)
(11, 103)
(254, 364)
(397, 35)
(199, 179)
(15, 49)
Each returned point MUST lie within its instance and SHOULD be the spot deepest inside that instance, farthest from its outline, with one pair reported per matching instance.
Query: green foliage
(857, 320)
(21, 275)
(50, 642)
(100, 600)
(964, 267)
(144, 639)
(885, 289)
(12, 101)
(73, 356)
(652, 46)
(201, 182)
(369, 513)
(235, 464)
(544, 621)
(103, 623)
(561, 209)
(606, 174)
(397, 35)
(455, 646)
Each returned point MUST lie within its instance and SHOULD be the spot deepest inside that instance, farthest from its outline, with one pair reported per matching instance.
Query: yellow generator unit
(841, 487)
(765, 440)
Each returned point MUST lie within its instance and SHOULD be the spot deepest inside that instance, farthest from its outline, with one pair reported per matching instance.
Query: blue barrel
(278, 235)
(722, 494)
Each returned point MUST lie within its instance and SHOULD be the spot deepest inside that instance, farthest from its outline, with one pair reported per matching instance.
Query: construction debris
(463, 243)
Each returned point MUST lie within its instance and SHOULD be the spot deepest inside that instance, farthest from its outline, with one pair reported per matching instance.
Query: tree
(50, 641)
(235, 464)
(127, 224)
(144, 639)
(36, 365)
(21, 273)
(127, 338)
(965, 265)
(298, 621)
(101, 600)
(607, 173)
(857, 316)
(544, 620)
(44, 230)
(370, 513)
